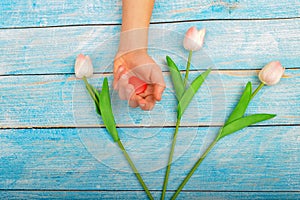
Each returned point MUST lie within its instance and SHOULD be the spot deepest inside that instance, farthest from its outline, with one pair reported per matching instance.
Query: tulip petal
(271, 73)
(139, 85)
(193, 40)
(83, 66)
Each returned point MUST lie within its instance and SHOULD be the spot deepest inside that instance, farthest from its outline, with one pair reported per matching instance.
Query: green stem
(170, 160)
(90, 90)
(187, 68)
(257, 90)
(194, 168)
(137, 174)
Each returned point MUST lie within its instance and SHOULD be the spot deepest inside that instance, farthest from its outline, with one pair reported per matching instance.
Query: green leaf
(242, 105)
(94, 94)
(106, 110)
(242, 123)
(176, 78)
(97, 95)
(190, 92)
(89, 88)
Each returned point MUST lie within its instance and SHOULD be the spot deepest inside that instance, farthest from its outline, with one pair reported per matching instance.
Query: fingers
(159, 83)
(152, 74)
(143, 67)
(147, 103)
(127, 92)
(158, 91)
(145, 100)
(133, 103)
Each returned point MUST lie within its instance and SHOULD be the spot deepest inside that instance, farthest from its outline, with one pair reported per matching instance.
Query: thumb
(121, 70)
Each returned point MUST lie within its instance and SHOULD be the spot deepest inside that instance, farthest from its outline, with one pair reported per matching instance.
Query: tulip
(139, 85)
(271, 73)
(83, 66)
(194, 39)
(102, 102)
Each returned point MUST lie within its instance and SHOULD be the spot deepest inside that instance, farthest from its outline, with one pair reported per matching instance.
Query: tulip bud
(83, 66)
(194, 39)
(271, 73)
(139, 85)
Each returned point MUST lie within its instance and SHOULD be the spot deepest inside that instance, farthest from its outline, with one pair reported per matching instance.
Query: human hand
(139, 64)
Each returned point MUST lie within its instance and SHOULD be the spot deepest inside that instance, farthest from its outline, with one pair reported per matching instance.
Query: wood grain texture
(54, 146)
(140, 195)
(33, 13)
(228, 45)
(62, 101)
(255, 159)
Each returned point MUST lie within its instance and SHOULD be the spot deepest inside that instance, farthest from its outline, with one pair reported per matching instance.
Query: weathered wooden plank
(34, 13)
(228, 45)
(62, 101)
(140, 195)
(255, 159)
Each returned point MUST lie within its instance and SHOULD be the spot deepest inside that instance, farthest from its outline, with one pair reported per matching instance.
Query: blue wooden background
(52, 144)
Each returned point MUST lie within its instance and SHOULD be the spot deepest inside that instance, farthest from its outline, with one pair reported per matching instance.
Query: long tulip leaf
(106, 110)
(242, 105)
(190, 92)
(242, 123)
(176, 78)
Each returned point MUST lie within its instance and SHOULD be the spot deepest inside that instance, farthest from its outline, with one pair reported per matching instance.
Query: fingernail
(142, 105)
(121, 68)
(129, 90)
(124, 76)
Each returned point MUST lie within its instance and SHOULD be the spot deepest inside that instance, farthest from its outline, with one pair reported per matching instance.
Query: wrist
(133, 40)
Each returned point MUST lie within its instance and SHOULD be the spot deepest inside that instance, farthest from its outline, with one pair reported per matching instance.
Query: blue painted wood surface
(58, 101)
(228, 45)
(54, 146)
(33, 13)
(255, 159)
(139, 195)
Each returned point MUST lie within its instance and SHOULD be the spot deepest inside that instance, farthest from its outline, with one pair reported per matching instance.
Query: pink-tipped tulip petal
(83, 66)
(194, 39)
(271, 73)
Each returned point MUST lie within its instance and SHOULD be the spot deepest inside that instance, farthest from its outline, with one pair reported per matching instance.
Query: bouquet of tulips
(237, 120)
